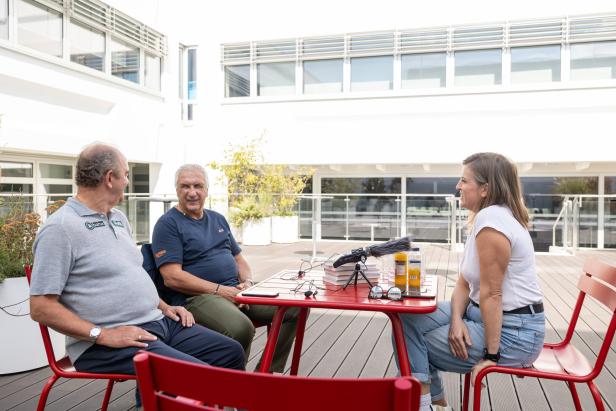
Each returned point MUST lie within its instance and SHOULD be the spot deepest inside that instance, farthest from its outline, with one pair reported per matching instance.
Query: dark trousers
(194, 344)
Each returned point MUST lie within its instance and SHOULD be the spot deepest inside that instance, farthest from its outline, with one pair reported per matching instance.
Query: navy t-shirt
(205, 248)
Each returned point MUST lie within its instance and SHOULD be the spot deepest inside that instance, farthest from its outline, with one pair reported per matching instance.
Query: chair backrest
(167, 383)
(51, 356)
(149, 265)
(598, 281)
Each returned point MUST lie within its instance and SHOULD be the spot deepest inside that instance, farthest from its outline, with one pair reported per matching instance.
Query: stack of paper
(340, 275)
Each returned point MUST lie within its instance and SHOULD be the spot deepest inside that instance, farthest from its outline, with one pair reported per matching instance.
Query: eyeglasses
(393, 293)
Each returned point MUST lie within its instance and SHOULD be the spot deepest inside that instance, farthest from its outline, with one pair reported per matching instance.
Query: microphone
(376, 250)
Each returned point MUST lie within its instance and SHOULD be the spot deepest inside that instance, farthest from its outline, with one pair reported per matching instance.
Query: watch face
(94, 333)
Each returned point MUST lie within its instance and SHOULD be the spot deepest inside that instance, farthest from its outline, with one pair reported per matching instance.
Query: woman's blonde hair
(504, 187)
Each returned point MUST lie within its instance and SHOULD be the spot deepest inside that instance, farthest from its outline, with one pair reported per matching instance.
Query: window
(275, 79)
(610, 213)
(424, 70)
(237, 81)
(87, 46)
(593, 61)
(39, 27)
(56, 171)
(372, 73)
(4, 19)
(192, 74)
(152, 72)
(323, 76)
(188, 81)
(478, 67)
(124, 61)
(19, 170)
(535, 64)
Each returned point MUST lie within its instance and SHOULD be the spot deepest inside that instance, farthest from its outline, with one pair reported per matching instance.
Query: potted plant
(21, 347)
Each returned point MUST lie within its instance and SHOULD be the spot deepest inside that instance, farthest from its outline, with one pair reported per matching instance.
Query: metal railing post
(346, 218)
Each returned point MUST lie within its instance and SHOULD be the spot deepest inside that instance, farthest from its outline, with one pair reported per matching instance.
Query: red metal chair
(562, 361)
(64, 369)
(170, 384)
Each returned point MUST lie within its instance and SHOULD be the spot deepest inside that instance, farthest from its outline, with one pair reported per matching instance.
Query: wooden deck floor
(357, 344)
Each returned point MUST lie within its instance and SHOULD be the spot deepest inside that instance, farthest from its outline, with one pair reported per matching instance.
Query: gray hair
(94, 162)
(191, 167)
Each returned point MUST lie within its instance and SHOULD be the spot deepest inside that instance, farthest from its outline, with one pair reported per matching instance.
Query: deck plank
(358, 344)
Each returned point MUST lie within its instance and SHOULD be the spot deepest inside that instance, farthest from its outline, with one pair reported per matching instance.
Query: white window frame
(183, 76)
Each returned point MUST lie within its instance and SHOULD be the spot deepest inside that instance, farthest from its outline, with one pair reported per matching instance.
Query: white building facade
(383, 102)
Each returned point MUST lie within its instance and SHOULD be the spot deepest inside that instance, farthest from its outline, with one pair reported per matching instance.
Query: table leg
(398, 333)
(272, 339)
(299, 340)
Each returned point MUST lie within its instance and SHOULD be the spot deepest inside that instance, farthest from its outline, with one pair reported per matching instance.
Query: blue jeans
(427, 343)
(195, 344)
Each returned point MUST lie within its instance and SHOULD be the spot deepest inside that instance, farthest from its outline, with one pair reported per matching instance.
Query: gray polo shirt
(93, 264)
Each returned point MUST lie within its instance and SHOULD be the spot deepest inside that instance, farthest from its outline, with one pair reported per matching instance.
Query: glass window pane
(593, 61)
(152, 72)
(424, 70)
(237, 81)
(323, 76)
(124, 61)
(4, 19)
(375, 185)
(535, 64)
(56, 171)
(11, 169)
(192, 74)
(478, 67)
(39, 27)
(15, 188)
(274, 79)
(87, 46)
(372, 73)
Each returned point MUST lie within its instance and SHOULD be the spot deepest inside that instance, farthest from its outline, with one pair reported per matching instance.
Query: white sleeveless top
(520, 284)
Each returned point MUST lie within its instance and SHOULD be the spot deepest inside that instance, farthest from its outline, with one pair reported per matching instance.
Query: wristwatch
(95, 333)
(491, 357)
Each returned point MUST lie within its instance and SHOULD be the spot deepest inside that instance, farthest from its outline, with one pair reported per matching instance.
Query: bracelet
(216, 290)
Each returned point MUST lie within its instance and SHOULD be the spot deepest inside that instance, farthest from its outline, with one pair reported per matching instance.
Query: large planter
(257, 232)
(285, 229)
(21, 344)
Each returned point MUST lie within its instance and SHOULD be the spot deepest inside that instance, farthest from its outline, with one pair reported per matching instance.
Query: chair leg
(107, 395)
(574, 394)
(596, 395)
(477, 395)
(467, 391)
(45, 393)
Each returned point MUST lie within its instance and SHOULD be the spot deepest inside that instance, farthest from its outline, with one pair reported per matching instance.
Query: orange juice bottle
(400, 263)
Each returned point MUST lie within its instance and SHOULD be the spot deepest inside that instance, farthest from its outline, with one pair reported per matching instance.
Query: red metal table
(328, 296)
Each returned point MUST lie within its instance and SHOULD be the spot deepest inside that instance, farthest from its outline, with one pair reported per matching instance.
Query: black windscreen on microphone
(377, 250)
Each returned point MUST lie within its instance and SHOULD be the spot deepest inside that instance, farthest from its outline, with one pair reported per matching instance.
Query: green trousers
(219, 314)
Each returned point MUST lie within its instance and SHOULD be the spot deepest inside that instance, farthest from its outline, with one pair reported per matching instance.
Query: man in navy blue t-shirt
(202, 265)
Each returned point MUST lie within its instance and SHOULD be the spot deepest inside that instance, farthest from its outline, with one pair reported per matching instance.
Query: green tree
(256, 189)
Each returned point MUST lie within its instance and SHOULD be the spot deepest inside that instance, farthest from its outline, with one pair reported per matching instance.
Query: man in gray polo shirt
(88, 282)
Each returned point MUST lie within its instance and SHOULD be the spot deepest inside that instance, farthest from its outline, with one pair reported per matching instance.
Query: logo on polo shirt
(221, 230)
(91, 225)
(117, 223)
(160, 253)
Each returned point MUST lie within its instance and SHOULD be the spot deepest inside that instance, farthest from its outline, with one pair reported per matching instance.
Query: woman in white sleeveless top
(495, 314)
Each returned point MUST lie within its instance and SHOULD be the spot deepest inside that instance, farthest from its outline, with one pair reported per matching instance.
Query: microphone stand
(356, 273)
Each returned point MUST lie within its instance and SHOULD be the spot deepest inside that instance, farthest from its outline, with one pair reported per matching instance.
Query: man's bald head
(94, 162)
